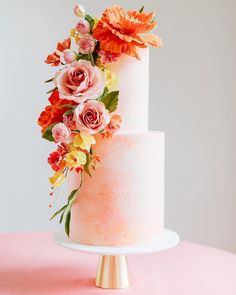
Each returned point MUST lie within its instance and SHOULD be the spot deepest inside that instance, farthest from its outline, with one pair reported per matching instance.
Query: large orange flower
(54, 112)
(122, 32)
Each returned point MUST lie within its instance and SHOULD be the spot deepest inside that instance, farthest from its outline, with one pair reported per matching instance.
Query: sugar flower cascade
(85, 97)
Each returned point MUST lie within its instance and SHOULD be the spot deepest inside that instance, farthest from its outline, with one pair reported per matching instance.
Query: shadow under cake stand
(113, 270)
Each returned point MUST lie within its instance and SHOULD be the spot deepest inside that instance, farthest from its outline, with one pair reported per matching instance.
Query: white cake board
(165, 241)
(113, 270)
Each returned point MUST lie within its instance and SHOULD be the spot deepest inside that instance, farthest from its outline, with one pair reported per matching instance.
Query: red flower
(54, 160)
(53, 59)
(63, 149)
(61, 46)
(53, 113)
(78, 169)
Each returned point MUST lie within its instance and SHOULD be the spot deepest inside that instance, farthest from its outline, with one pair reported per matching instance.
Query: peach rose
(91, 116)
(60, 132)
(80, 81)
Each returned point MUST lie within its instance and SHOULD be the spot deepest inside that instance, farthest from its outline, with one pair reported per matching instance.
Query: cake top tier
(101, 86)
(97, 54)
(133, 84)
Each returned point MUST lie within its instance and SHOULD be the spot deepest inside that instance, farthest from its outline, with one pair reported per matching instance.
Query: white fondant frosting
(133, 76)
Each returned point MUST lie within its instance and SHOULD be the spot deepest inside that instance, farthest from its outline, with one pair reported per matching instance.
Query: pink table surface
(31, 263)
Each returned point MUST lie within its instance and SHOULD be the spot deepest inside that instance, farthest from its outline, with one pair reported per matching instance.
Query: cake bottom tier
(122, 204)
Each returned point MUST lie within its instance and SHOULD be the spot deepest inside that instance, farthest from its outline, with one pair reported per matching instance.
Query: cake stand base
(112, 270)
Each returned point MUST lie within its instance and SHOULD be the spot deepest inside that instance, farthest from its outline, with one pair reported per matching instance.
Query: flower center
(78, 77)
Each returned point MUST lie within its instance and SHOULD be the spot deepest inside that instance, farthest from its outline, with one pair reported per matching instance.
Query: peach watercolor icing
(123, 204)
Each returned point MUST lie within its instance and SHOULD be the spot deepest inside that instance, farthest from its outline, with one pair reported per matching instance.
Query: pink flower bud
(86, 44)
(79, 10)
(69, 56)
(83, 27)
(60, 132)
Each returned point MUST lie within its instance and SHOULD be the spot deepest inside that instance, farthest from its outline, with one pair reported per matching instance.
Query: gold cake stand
(113, 272)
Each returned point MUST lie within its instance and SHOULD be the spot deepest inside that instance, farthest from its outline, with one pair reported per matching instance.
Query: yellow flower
(77, 38)
(75, 159)
(57, 179)
(99, 64)
(84, 141)
(111, 80)
(72, 32)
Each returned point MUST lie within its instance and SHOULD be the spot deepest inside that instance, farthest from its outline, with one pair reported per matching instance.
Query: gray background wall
(192, 99)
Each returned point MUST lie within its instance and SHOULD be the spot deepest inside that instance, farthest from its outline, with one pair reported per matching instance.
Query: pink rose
(69, 121)
(86, 44)
(79, 10)
(83, 27)
(91, 116)
(108, 57)
(69, 56)
(80, 81)
(60, 132)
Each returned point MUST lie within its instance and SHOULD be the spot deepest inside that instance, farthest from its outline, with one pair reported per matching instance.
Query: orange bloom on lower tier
(112, 127)
(122, 32)
(54, 112)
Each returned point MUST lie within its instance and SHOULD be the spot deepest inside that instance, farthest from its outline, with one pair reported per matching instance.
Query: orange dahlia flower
(121, 32)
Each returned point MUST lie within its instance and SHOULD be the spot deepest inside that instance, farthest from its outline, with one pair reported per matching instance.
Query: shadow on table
(54, 280)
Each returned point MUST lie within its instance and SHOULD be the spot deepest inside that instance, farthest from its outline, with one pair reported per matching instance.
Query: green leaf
(89, 57)
(111, 101)
(67, 105)
(48, 133)
(71, 111)
(67, 207)
(49, 80)
(92, 59)
(62, 215)
(66, 210)
(105, 92)
(67, 223)
(50, 91)
(58, 212)
(84, 56)
(141, 9)
(86, 166)
(91, 21)
(71, 195)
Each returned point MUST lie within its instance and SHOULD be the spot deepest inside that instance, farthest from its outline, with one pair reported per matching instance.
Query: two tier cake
(98, 118)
